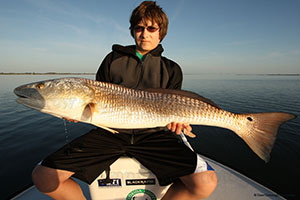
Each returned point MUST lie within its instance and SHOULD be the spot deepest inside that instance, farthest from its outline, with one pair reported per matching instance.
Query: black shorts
(161, 152)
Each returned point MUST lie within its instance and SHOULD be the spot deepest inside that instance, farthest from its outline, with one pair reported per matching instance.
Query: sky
(204, 36)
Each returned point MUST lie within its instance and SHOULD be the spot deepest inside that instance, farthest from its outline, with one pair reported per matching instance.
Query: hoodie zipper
(141, 72)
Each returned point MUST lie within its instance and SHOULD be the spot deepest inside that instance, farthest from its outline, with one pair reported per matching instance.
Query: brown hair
(149, 10)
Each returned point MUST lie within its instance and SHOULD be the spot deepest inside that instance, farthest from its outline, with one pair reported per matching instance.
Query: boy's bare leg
(193, 187)
(56, 183)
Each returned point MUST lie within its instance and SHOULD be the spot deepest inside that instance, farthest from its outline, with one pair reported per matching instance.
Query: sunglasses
(150, 29)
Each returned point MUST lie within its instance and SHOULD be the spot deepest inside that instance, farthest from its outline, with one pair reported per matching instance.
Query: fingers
(169, 126)
(187, 127)
(178, 127)
(70, 120)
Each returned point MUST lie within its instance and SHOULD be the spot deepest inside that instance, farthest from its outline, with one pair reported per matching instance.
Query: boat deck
(231, 185)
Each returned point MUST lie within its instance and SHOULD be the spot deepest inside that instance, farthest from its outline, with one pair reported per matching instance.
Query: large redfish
(112, 106)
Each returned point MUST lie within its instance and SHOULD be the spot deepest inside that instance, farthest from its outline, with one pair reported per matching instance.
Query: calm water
(27, 136)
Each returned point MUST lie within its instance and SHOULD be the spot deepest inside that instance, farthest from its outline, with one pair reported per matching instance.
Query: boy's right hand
(70, 120)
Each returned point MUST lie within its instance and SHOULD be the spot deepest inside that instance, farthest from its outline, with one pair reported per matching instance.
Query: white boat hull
(132, 181)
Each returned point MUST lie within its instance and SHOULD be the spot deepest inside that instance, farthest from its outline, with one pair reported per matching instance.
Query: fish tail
(260, 131)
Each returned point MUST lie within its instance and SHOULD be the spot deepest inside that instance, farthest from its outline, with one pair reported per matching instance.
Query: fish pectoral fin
(88, 112)
(106, 128)
(189, 133)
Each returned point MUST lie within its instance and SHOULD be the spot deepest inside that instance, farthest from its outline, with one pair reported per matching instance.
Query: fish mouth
(29, 97)
(20, 96)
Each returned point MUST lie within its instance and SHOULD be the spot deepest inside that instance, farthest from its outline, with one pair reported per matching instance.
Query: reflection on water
(26, 136)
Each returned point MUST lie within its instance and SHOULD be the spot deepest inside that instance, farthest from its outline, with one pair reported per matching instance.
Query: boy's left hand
(178, 127)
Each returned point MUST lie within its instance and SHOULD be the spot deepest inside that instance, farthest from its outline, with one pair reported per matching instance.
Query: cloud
(275, 54)
(295, 52)
(287, 53)
(58, 7)
(242, 42)
(177, 10)
(75, 19)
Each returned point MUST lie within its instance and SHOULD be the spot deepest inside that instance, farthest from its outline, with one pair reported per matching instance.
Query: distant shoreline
(45, 73)
(270, 74)
(89, 73)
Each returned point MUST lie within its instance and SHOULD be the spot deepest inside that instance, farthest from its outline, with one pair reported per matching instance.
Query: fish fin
(88, 112)
(183, 93)
(106, 128)
(261, 130)
(87, 117)
(189, 133)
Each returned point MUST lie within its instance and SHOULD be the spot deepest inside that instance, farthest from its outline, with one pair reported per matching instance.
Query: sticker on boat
(141, 194)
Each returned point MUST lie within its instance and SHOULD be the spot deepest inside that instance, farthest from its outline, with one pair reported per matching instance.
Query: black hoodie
(122, 66)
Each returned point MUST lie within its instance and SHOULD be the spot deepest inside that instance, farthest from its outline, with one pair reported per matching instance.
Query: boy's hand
(179, 127)
(70, 120)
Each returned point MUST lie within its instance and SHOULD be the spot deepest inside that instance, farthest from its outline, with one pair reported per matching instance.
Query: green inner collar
(141, 57)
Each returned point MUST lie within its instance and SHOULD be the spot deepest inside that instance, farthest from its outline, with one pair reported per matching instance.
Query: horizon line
(93, 73)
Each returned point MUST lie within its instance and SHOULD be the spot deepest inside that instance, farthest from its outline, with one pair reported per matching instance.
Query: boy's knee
(45, 179)
(201, 185)
(203, 189)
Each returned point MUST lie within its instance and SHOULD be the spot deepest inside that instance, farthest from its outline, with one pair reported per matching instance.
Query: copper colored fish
(113, 106)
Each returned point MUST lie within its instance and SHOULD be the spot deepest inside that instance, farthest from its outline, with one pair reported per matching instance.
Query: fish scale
(137, 107)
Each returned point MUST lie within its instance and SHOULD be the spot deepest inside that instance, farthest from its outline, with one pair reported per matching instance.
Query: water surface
(27, 136)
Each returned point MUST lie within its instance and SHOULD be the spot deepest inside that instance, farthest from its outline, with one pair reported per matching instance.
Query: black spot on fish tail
(260, 131)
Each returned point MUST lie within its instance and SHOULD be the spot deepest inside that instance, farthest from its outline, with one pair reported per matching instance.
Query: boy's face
(146, 36)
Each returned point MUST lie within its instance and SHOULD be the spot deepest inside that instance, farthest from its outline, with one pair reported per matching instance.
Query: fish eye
(249, 119)
(40, 86)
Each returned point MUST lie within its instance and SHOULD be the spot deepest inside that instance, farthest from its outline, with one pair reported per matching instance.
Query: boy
(168, 157)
